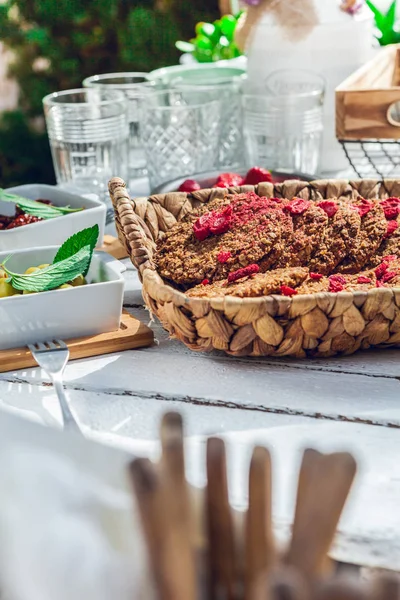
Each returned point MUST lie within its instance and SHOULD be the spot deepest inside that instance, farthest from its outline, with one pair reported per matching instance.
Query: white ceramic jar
(338, 45)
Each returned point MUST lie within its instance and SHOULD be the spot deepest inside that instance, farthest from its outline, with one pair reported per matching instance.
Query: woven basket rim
(271, 297)
(133, 232)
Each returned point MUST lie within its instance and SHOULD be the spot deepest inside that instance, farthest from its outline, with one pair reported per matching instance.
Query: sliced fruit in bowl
(59, 292)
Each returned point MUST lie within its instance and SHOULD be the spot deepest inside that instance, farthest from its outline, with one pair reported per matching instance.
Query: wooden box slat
(364, 98)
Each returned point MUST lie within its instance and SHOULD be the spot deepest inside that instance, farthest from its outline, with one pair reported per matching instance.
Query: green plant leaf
(53, 276)
(81, 239)
(379, 16)
(37, 209)
(186, 47)
(391, 15)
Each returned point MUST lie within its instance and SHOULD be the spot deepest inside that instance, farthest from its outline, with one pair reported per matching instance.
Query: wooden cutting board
(131, 334)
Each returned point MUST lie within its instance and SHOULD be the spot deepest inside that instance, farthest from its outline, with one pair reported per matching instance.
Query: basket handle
(133, 232)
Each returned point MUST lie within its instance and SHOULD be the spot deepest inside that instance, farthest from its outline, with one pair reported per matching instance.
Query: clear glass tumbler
(135, 86)
(181, 134)
(283, 122)
(232, 149)
(88, 132)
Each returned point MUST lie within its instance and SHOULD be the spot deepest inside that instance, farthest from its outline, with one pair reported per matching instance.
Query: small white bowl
(61, 314)
(51, 231)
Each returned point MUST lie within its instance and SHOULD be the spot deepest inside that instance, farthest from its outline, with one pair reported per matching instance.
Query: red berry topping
(388, 276)
(389, 258)
(201, 228)
(381, 270)
(257, 175)
(379, 284)
(391, 206)
(223, 257)
(338, 279)
(287, 291)
(220, 222)
(335, 286)
(391, 228)
(297, 206)
(190, 185)
(336, 283)
(244, 272)
(316, 276)
(329, 207)
(205, 282)
(227, 180)
(363, 279)
(363, 208)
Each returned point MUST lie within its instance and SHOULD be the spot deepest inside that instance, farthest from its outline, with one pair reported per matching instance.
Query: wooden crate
(366, 102)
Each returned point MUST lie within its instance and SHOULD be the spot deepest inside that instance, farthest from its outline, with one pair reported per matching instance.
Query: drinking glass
(88, 132)
(284, 122)
(227, 91)
(135, 86)
(181, 134)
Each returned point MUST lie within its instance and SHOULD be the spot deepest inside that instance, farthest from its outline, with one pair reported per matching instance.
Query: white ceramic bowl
(51, 231)
(63, 314)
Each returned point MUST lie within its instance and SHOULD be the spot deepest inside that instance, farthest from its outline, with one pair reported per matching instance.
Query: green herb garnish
(72, 259)
(86, 237)
(53, 276)
(35, 208)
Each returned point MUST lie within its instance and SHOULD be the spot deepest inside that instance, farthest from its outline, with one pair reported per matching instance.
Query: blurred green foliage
(213, 41)
(57, 43)
(386, 24)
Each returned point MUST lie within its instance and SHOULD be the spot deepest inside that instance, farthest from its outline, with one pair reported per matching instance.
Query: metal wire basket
(373, 159)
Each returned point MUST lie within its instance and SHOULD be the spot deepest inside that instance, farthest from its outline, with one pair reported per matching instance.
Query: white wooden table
(344, 403)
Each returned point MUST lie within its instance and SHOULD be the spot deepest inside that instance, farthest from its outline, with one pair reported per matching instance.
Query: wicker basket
(319, 325)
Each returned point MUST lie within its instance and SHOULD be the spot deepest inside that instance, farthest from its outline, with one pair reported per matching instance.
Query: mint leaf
(86, 237)
(53, 276)
(35, 208)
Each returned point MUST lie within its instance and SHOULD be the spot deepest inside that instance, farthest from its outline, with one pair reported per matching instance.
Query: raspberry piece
(227, 180)
(338, 279)
(257, 175)
(223, 257)
(381, 270)
(205, 282)
(391, 228)
(190, 185)
(379, 284)
(244, 272)
(391, 207)
(388, 276)
(220, 222)
(336, 283)
(389, 258)
(335, 286)
(316, 276)
(363, 208)
(201, 228)
(363, 279)
(329, 207)
(287, 291)
(297, 206)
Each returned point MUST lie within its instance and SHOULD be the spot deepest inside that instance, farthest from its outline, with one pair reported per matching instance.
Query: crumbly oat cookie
(309, 286)
(254, 236)
(308, 228)
(261, 284)
(339, 239)
(389, 246)
(373, 230)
